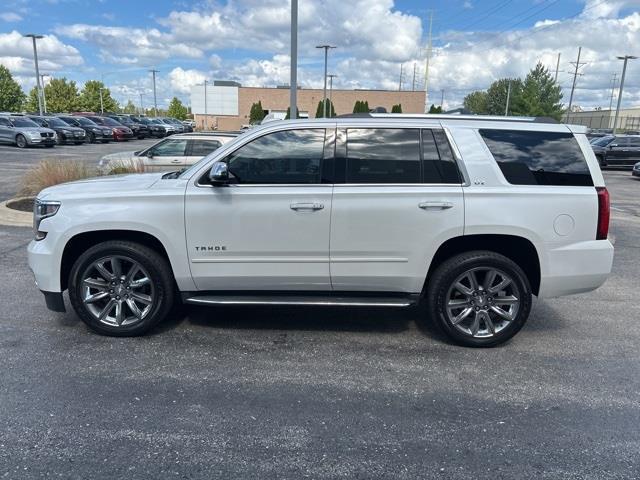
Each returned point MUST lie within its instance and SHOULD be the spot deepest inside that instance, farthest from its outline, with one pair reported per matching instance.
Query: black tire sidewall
(445, 275)
(18, 137)
(155, 265)
(92, 137)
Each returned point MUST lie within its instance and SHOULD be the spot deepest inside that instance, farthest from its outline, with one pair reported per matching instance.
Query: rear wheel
(91, 137)
(479, 299)
(21, 141)
(121, 288)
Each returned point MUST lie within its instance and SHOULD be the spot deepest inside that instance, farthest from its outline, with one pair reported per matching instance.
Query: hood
(117, 157)
(37, 130)
(101, 186)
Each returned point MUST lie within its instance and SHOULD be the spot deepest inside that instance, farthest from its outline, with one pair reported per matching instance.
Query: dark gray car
(617, 151)
(22, 132)
(66, 133)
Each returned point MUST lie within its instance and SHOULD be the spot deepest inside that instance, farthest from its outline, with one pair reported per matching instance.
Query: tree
(330, 110)
(476, 102)
(396, 108)
(256, 114)
(434, 109)
(61, 95)
(90, 98)
(288, 115)
(31, 101)
(541, 96)
(130, 107)
(177, 109)
(497, 96)
(361, 107)
(11, 95)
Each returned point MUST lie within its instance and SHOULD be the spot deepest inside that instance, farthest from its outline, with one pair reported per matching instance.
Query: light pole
(324, 96)
(331, 77)
(35, 37)
(155, 98)
(293, 87)
(506, 107)
(44, 96)
(141, 106)
(204, 123)
(626, 58)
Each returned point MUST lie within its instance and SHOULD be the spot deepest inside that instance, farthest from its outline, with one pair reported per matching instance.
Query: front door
(269, 228)
(618, 151)
(166, 155)
(401, 199)
(6, 133)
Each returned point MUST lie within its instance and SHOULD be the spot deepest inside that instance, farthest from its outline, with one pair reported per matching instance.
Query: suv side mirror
(219, 173)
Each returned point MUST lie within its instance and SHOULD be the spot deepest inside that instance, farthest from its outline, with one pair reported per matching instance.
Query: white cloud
(10, 17)
(182, 80)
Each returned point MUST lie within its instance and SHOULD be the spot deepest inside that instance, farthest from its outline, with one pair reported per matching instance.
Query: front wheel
(121, 288)
(91, 137)
(21, 141)
(479, 299)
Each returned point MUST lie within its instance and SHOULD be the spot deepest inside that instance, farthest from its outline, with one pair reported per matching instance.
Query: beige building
(227, 106)
(629, 118)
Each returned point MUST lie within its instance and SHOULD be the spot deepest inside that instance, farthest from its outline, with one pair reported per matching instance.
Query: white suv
(472, 215)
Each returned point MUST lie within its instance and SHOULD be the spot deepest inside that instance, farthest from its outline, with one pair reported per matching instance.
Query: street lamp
(624, 71)
(35, 37)
(331, 77)
(324, 96)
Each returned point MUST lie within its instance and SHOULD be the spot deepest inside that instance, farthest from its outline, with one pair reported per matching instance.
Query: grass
(53, 172)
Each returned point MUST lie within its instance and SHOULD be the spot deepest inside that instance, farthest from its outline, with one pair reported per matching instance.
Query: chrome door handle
(176, 161)
(306, 206)
(435, 205)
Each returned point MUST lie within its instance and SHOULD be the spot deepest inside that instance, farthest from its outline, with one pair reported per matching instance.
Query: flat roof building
(227, 106)
(629, 118)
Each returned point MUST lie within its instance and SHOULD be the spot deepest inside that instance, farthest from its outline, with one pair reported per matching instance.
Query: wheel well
(83, 241)
(518, 249)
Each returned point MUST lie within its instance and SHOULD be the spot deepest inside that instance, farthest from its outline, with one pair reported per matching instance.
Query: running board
(333, 301)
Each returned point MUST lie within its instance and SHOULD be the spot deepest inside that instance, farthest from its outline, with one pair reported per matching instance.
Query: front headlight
(67, 132)
(34, 135)
(43, 209)
(95, 130)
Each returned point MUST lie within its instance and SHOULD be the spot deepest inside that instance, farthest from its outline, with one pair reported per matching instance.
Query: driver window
(169, 148)
(4, 122)
(291, 156)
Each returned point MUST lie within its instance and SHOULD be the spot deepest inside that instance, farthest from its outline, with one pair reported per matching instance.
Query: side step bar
(334, 301)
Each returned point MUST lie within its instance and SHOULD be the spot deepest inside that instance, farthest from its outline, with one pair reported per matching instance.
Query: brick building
(228, 104)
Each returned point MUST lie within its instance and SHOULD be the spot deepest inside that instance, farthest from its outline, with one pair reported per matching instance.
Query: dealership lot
(320, 393)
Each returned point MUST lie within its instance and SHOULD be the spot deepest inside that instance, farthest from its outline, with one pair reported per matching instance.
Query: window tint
(202, 148)
(39, 121)
(4, 121)
(538, 158)
(438, 164)
(619, 142)
(291, 156)
(170, 148)
(634, 142)
(383, 155)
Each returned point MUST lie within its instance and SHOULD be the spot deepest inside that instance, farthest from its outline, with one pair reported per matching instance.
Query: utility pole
(413, 83)
(324, 97)
(35, 37)
(206, 113)
(626, 58)
(141, 106)
(293, 87)
(155, 98)
(331, 77)
(426, 68)
(44, 97)
(557, 68)
(613, 89)
(442, 100)
(578, 65)
(506, 108)
(400, 84)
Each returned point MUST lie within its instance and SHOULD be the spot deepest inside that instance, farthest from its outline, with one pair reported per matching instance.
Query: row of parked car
(618, 151)
(78, 128)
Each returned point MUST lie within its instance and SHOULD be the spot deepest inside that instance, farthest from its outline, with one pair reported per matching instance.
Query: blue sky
(475, 42)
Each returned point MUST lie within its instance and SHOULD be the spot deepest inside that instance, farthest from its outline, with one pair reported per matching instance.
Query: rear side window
(634, 142)
(438, 165)
(383, 155)
(202, 148)
(538, 158)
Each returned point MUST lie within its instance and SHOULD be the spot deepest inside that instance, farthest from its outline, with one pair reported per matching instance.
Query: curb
(14, 218)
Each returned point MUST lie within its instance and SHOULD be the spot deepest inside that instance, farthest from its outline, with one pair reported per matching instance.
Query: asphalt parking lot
(324, 393)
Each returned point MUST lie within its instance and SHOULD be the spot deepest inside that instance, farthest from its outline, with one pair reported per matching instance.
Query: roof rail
(440, 116)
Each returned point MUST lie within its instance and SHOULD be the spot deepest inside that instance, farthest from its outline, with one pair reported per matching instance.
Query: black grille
(46, 135)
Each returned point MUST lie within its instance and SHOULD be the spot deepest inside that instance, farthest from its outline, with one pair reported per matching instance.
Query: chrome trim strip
(369, 260)
(320, 302)
(261, 260)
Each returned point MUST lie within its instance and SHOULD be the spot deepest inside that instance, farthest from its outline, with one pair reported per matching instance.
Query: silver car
(23, 132)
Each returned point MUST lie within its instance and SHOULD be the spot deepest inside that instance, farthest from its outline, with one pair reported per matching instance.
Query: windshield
(125, 120)
(23, 122)
(602, 142)
(56, 122)
(85, 122)
(111, 122)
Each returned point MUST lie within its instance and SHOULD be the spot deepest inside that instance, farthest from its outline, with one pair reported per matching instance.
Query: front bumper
(636, 173)
(120, 136)
(41, 141)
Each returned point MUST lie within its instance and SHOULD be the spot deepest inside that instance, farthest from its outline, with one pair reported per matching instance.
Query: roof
(204, 134)
(444, 116)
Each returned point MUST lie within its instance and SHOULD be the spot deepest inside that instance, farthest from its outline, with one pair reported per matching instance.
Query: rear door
(170, 154)
(618, 153)
(401, 197)
(200, 147)
(634, 150)
(6, 133)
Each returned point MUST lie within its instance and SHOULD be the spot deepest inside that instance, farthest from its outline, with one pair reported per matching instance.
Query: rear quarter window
(538, 158)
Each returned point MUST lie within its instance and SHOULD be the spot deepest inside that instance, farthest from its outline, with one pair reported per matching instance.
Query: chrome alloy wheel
(117, 291)
(482, 302)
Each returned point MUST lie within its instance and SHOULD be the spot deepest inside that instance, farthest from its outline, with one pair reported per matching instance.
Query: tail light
(604, 206)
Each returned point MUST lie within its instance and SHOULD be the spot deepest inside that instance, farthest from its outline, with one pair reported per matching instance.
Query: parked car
(120, 133)
(157, 130)
(169, 128)
(23, 132)
(140, 130)
(617, 151)
(65, 133)
(179, 127)
(94, 132)
(172, 153)
(190, 123)
(383, 211)
(636, 170)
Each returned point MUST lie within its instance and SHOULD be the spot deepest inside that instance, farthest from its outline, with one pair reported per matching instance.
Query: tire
(49, 146)
(91, 137)
(21, 141)
(451, 284)
(151, 288)
(59, 140)
(601, 161)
